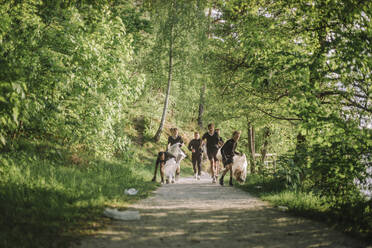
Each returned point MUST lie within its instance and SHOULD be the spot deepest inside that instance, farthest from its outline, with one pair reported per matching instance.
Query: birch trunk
(170, 73)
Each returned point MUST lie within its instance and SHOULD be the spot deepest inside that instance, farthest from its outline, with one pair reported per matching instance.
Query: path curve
(195, 213)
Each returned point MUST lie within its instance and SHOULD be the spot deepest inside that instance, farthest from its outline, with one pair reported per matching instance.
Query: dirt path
(201, 214)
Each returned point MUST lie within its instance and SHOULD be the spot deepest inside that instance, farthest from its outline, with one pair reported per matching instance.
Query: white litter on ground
(121, 215)
(131, 191)
(283, 208)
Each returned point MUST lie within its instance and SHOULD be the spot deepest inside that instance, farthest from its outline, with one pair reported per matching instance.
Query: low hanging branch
(279, 117)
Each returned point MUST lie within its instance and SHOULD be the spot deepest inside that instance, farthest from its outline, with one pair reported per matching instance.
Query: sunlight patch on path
(198, 213)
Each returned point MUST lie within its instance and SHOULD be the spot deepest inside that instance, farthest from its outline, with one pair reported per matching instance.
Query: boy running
(228, 152)
(212, 139)
(197, 153)
(174, 138)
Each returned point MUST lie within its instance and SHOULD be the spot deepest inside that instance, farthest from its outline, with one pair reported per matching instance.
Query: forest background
(89, 90)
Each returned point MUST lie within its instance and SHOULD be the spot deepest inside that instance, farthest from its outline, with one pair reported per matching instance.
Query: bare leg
(217, 167)
(213, 170)
(231, 175)
(162, 172)
(156, 169)
(161, 157)
(224, 172)
(211, 163)
(178, 172)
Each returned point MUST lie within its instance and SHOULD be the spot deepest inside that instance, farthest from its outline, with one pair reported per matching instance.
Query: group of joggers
(213, 142)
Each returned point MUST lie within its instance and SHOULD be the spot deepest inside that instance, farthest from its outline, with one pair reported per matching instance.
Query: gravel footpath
(195, 213)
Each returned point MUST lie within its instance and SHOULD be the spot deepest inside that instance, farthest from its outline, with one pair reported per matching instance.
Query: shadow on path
(201, 214)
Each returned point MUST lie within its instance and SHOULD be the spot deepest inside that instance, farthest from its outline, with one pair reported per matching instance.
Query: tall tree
(203, 87)
(171, 23)
(178, 27)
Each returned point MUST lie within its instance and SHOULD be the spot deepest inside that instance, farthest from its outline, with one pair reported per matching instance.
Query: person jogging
(228, 152)
(174, 138)
(211, 139)
(197, 154)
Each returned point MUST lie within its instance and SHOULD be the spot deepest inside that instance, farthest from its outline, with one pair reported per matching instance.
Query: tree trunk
(201, 106)
(251, 147)
(265, 144)
(170, 71)
(202, 89)
(300, 151)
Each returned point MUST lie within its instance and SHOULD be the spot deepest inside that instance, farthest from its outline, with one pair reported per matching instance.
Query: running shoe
(214, 180)
(221, 181)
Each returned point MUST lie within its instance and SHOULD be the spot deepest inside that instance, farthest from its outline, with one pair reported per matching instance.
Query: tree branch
(279, 117)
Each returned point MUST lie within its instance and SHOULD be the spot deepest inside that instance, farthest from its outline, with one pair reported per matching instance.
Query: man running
(228, 152)
(197, 153)
(212, 139)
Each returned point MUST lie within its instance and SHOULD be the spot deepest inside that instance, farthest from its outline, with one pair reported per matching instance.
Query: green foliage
(76, 66)
(78, 73)
(282, 61)
(47, 190)
(289, 172)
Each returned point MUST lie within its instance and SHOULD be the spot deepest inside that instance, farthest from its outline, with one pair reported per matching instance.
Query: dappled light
(105, 104)
(232, 218)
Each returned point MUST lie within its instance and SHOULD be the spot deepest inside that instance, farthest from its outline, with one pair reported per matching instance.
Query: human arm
(181, 141)
(204, 139)
(190, 146)
(220, 142)
(235, 152)
(169, 142)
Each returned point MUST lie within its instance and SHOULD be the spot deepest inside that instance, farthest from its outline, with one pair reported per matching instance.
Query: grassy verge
(308, 204)
(49, 195)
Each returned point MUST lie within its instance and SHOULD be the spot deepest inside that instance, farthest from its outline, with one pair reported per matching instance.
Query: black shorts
(227, 161)
(212, 153)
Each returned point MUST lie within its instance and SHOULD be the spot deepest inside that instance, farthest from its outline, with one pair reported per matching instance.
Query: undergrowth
(49, 194)
(52, 193)
(355, 219)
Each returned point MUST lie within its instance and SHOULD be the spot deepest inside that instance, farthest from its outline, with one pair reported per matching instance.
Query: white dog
(173, 164)
(239, 167)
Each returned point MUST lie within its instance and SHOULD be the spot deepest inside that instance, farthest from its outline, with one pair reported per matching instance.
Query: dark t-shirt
(212, 140)
(173, 141)
(196, 145)
(228, 149)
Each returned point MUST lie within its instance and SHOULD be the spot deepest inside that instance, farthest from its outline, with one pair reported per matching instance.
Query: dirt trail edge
(195, 213)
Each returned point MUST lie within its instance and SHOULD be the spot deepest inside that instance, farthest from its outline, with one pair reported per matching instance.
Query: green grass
(49, 195)
(355, 219)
